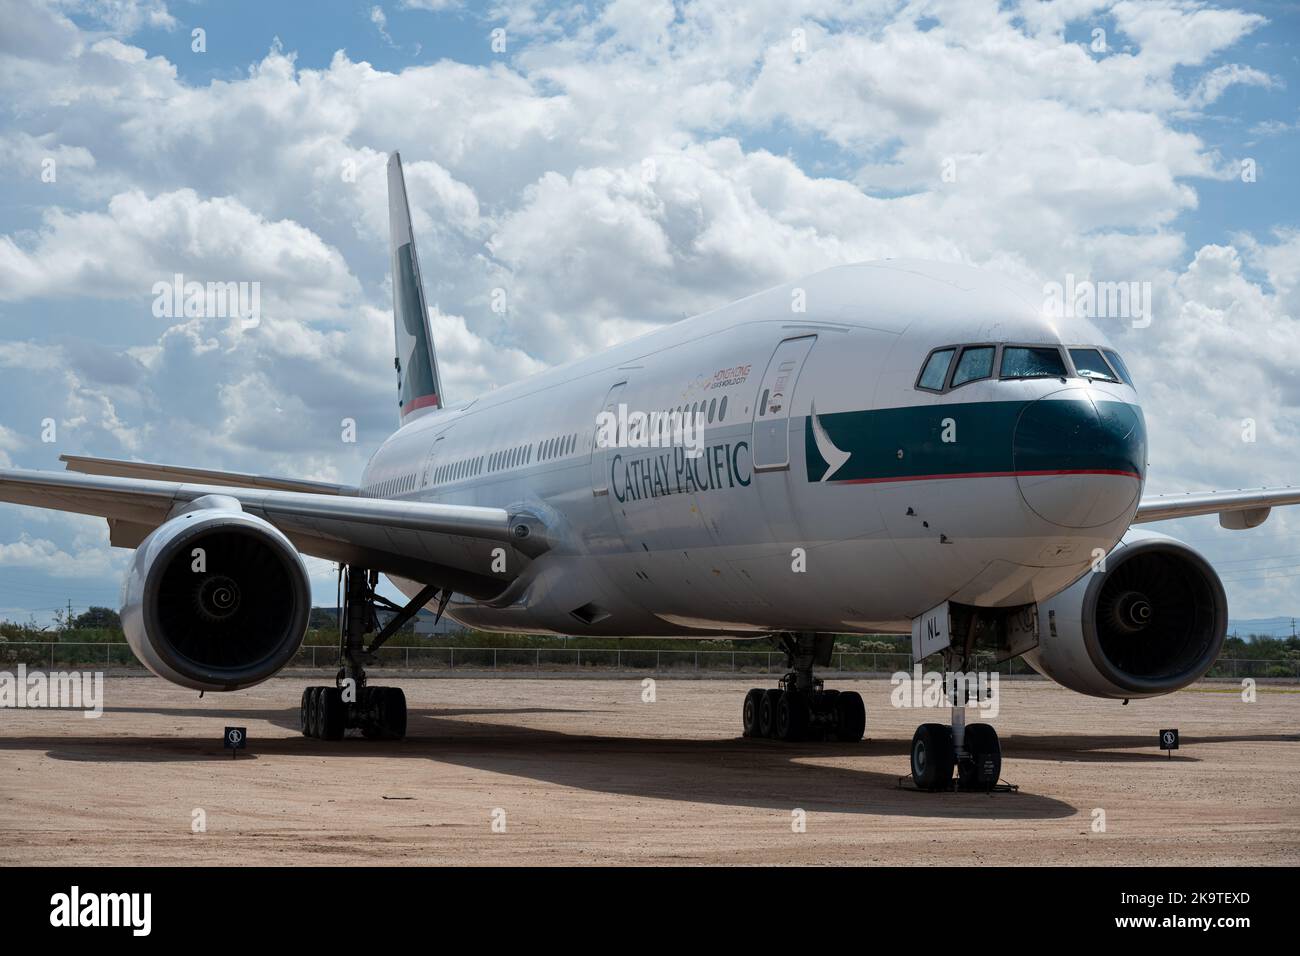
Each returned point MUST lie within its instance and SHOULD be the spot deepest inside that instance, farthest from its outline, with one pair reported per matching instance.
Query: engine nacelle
(1152, 622)
(216, 599)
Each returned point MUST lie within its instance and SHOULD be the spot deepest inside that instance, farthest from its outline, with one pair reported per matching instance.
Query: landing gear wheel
(378, 712)
(791, 716)
(983, 767)
(370, 728)
(333, 712)
(749, 713)
(824, 716)
(387, 713)
(315, 714)
(767, 712)
(850, 717)
(394, 716)
(304, 721)
(932, 757)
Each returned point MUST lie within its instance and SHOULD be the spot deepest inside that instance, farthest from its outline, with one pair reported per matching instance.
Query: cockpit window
(936, 370)
(975, 363)
(1090, 365)
(1120, 367)
(1029, 362)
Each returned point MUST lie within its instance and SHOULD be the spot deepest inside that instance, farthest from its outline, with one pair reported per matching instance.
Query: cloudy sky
(612, 168)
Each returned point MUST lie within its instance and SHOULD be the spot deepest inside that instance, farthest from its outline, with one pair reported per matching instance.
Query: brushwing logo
(835, 458)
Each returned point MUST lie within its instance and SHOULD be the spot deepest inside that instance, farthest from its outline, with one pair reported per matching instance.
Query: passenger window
(1120, 367)
(974, 364)
(1023, 362)
(935, 372)
(1090, 365)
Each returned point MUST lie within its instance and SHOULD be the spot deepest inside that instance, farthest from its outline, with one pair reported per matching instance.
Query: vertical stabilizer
(418, 384)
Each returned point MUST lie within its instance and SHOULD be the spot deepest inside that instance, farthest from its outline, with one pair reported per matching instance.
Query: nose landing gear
(973, 751)
(801, 708)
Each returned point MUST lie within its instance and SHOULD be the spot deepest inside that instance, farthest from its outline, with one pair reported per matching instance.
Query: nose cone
(1079, 457)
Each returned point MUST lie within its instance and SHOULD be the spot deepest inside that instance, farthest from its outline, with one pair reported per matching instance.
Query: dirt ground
(579, 771)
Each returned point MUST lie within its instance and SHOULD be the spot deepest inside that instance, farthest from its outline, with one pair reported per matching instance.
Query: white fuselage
(983, 494)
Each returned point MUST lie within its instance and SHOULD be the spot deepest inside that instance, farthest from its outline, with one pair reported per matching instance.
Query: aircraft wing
(448, 545)
(144, 469)
(1237, 510)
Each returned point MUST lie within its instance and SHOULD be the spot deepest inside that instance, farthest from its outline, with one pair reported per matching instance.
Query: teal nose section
(1080, 458)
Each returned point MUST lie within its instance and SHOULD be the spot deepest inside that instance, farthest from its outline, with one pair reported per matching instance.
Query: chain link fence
(54, 655)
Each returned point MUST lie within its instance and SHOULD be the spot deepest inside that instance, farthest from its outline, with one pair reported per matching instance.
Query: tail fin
(418, 383)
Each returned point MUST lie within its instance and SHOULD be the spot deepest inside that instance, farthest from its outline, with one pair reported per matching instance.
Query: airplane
(886, 447)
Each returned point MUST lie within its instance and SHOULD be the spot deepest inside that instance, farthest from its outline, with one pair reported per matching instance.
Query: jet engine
(1148, 621)
(216, 599)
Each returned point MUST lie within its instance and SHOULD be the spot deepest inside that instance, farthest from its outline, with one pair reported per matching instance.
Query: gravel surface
(586, 770)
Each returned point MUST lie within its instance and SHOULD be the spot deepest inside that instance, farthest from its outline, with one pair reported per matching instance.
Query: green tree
(97, 618)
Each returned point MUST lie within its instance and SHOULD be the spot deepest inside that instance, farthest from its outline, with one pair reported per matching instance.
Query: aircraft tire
(749, 712)
(850, 717)
(392, 712)
(767, 712)
(791, 716)
(333, 713)
(984, 768)
(304, 721)
(315, 714)
(932, 757)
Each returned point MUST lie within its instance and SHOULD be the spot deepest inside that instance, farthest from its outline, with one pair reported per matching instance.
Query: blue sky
(1262, 124)
(526, 169)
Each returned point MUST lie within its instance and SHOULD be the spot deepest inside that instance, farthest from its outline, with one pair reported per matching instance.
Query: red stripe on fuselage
(989, 474)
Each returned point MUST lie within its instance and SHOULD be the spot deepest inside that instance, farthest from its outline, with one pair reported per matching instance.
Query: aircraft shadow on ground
(729, 772)
(1126, 748)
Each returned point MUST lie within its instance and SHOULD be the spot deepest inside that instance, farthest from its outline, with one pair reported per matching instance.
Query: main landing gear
(801, 708)
(326, 713)
(972, 750)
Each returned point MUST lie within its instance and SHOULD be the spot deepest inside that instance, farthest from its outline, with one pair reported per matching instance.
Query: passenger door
(772, 410)
(600, 457)
(430, 462)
